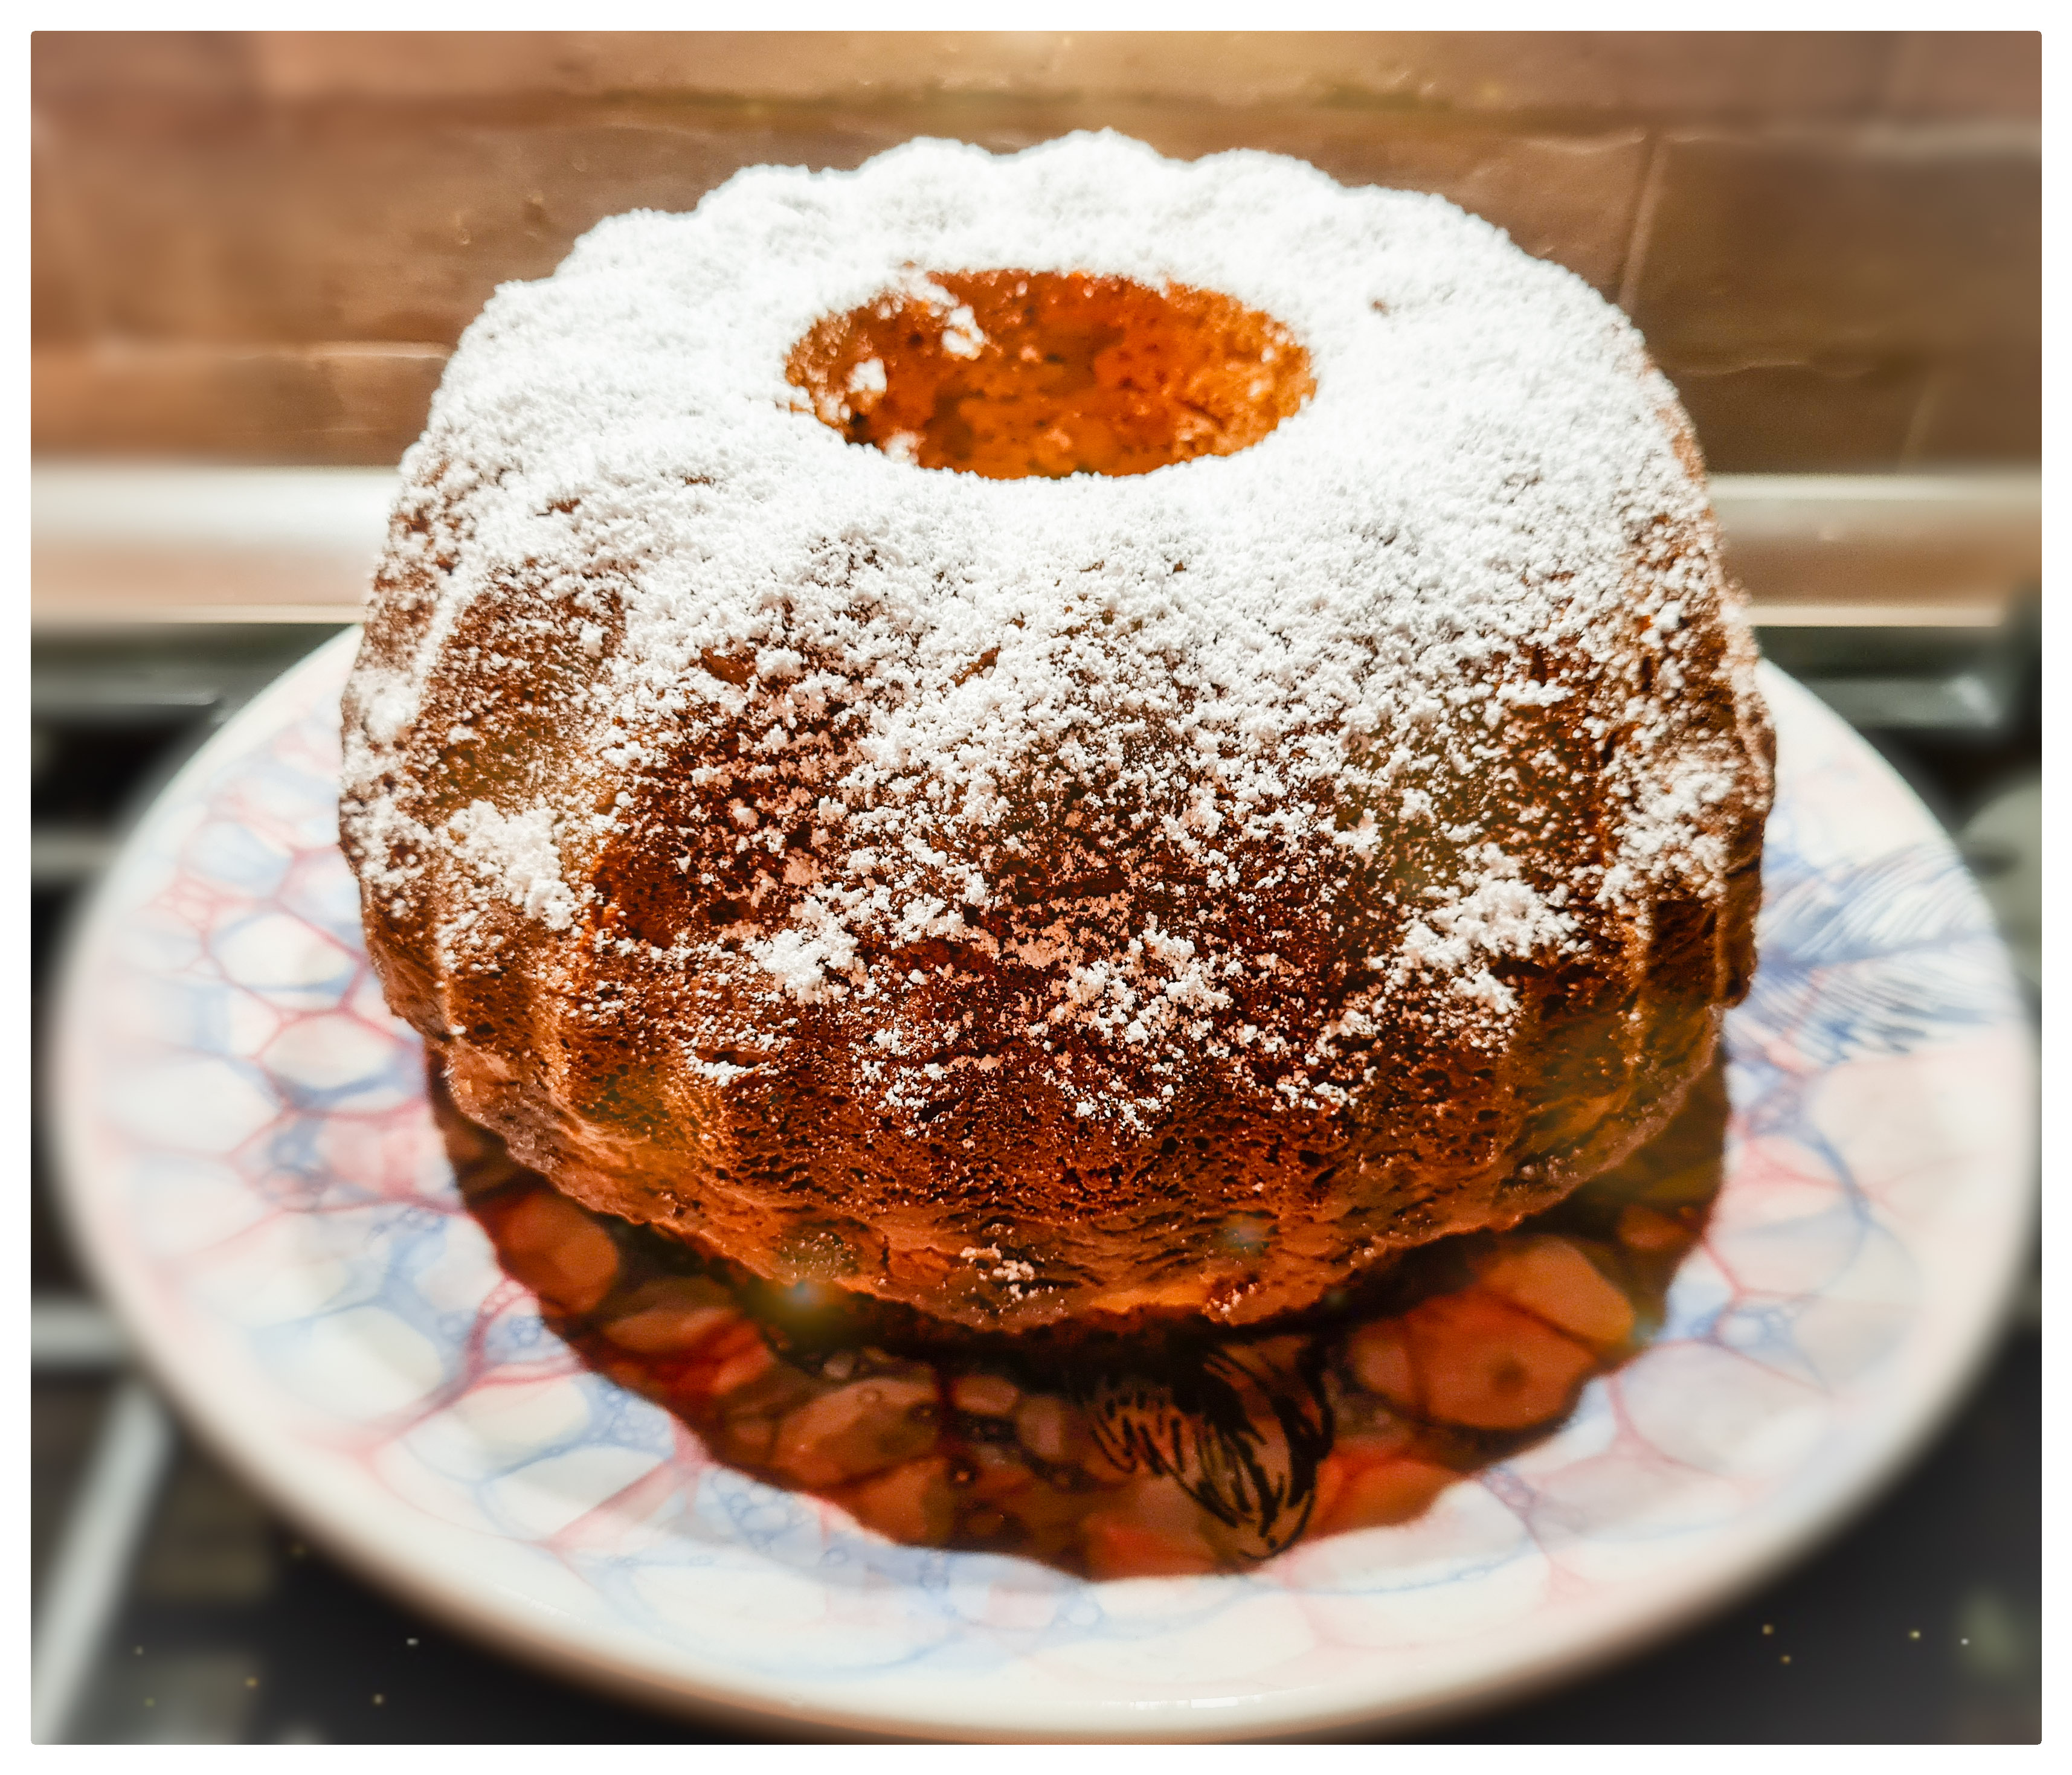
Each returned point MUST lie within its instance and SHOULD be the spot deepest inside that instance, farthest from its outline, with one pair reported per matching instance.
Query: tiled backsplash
(260, 246)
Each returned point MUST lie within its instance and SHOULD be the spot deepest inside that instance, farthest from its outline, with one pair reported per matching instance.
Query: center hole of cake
(1013, 373)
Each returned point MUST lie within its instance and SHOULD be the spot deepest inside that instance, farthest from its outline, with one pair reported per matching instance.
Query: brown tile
(355, 223)
(1795, 419)
(321, 404)
(1988, 408)
(207, 65)
(370, 225)
(1654, 74)
(1803, 286)
(1766, 249)
(58, 308)
(1966, 74)
(1568, 198)
(1667, 73)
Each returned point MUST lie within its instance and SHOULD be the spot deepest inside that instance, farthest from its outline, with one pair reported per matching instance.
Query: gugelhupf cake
(1058, 737)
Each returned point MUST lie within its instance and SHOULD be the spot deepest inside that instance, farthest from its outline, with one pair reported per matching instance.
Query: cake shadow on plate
(1159, 1449)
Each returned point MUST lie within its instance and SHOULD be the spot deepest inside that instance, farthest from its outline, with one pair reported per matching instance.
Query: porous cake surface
(1024, 898)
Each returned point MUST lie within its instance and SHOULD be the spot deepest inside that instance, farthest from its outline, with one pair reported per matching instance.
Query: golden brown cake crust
(1026, 901)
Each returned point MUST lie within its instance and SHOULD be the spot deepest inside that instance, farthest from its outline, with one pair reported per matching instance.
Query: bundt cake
(1058, 737)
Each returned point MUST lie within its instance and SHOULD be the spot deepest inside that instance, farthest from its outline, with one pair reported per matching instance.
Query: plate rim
(611, 1660)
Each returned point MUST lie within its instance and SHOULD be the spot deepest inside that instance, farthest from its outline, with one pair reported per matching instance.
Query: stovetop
(173, 1606)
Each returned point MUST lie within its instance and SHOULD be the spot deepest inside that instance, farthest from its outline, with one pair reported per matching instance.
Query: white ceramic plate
(257, 1180)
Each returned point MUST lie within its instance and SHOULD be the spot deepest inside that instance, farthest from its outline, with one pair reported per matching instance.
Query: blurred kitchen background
(252, 252)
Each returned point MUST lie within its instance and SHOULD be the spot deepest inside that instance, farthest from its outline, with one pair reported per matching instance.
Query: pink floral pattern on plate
(256, 1175)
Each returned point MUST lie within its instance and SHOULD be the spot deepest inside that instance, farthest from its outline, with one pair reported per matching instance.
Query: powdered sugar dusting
(1215, 771)
(517, 856)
